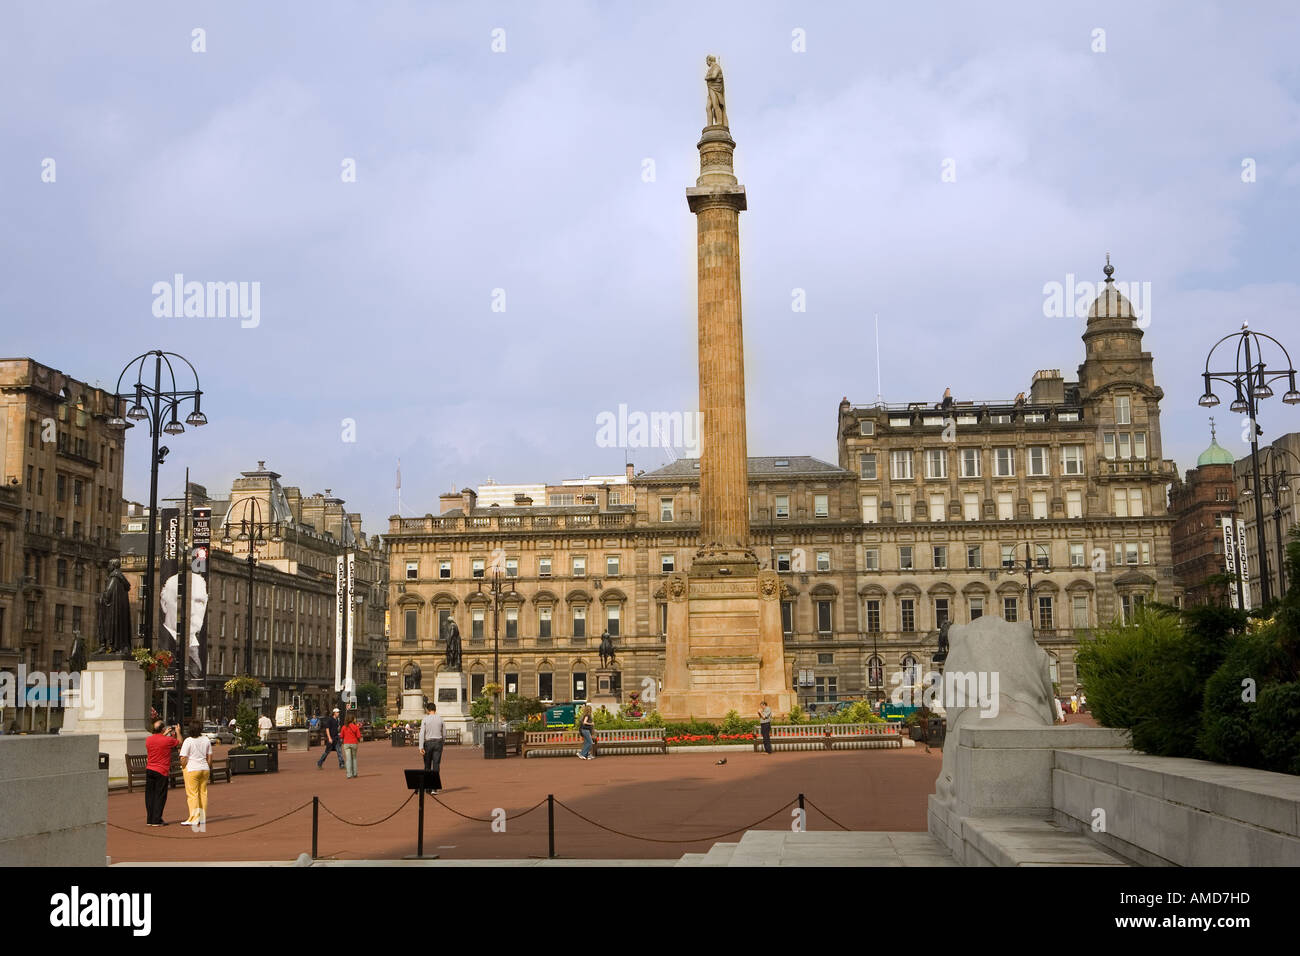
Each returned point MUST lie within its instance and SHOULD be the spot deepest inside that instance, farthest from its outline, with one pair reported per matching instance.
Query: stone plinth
(451, 694)
(412, 705)
(54, 800)
(725, 648)
(113, 704)
(299, 739)
(603, 693)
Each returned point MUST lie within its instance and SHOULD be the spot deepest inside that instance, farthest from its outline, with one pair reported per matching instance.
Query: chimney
(447, 501)
(631, 470)
(1048, 387)
(522, 500)
(468, 499)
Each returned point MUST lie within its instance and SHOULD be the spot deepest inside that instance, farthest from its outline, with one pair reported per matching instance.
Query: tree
(371, 696)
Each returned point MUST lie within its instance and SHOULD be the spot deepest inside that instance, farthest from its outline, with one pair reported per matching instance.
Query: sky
(467, 230)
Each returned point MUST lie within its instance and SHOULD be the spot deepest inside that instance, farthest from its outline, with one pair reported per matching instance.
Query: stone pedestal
(602, 692)
(113, 702)
(55, 801)
(451, 693)
(725, 650)
(412, 705)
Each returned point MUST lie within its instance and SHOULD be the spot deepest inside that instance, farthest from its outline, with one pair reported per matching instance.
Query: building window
(875, 672)
(1123, 412)
(970, 506)
(905, 557)
(903, 507)
(1004, 462)
(667, 564)
(665, 509)
(873, 616)
(936, 508)
(1045, 611)
(1038, 461)
(974, 556)
(1072, 460)
(663, 618)
(1108, 445)
(871, 559)
(512, 683)
(823, 560)
(939, 554)
(826, 691)
(579, 565)
(544, 621)
(1140, 445)
(512, 624)
(783, 506)
(1135, 503)
(867, 466)
(970, 462)
(512, 567)
(976, 608)
(543, 567)
(1074, 504)
(900, 465)
(476, 618)
(1042, 556)
(936, 463)
(910, 671)
(1125, 445)
(870, 509)
(477, 567)
(783, 560)
(866, 428)
(907, 615)
(821, 506)
(612, 617)
(1038, 502)
(412, 621)
(1076, 555)
(787, 617)
(611, 565)
(61, 573)
(412, 570)
(941, 611)
(1010, 608)
(59, 611)
(823, 617)
(545, 686)
(1006, 506)
(1146, 552)
(1079, 610)
(579, 621)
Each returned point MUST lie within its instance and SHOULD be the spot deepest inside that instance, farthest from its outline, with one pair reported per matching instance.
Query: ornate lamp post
(1028, 570)
(1274, 482)
(500, 595)
(1250, 378)
(161, 409)
(252, 528)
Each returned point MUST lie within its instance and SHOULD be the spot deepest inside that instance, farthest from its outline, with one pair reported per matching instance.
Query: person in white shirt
(264, 726)
(196, 766)
(430, 743)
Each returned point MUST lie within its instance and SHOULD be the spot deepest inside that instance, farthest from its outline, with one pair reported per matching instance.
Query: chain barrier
(825, 814)
(698, 839)
(376, 823)
(509, 816)
(256, 826)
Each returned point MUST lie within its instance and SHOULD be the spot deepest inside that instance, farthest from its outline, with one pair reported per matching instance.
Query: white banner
(348, 683)
(1230, 557)
(1243, 563)
(340, 609)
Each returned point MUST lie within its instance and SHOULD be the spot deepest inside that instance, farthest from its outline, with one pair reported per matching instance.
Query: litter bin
(494, 744)
(103, 761)
(398, 737)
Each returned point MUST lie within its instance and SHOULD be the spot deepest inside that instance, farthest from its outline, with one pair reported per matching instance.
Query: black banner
(170, 524)
(196, 667)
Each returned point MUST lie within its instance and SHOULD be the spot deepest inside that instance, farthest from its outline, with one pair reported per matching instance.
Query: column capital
(699, 198)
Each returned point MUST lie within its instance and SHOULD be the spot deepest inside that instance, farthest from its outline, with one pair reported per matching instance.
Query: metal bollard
(315, 826)
(550, 825)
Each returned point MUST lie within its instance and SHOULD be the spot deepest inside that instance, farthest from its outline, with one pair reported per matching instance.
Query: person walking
(350, 734)
(332, 739)
(765, 725)
(159, 746)
(586, 727)
(430, 744)
(264, 726)
(196, 767)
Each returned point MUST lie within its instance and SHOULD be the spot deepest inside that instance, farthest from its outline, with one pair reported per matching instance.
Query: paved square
(673, 797)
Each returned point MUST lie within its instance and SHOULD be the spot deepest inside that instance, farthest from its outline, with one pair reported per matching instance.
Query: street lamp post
(1274, 482)
(153, 404)
(252, 528)
(499, 596)
(1029, 582)
(1250, 378)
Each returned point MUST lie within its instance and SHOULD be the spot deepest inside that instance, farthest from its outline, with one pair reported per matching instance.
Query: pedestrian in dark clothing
(430, 742)
(765, 725)
(159, 747)
(332, 739)
(587, 728)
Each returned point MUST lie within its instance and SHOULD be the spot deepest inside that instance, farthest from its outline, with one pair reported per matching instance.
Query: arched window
(909, 671)
(875, 672)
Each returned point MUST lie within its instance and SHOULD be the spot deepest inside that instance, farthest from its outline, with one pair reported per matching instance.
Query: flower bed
(701, 740)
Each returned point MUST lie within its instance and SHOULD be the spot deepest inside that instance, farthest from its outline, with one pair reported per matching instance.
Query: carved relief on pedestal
(677, 587)
(769, 585)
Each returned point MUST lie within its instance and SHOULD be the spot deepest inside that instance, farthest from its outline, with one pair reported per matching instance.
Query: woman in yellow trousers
(196, 764)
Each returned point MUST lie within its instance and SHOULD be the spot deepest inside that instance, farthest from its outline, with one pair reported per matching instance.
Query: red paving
(669, 797)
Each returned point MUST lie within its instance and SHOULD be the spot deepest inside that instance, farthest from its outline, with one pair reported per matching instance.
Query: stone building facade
(59, 513)
(569, 572)
(1283, 454)
(1208, 494)
(956, 496)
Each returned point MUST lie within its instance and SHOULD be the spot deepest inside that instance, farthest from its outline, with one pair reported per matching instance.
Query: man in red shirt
(160, 745)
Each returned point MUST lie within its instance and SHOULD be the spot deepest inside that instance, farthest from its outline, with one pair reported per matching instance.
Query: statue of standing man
(451, 634)
(716, 114)
(115, 613)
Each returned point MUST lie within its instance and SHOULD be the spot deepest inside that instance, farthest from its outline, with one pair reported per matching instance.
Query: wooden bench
(833, 736)
(563, 743)
(278, 737)
(137, 771)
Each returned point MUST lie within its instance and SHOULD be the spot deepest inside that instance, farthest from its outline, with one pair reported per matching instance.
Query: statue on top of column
(716, 114)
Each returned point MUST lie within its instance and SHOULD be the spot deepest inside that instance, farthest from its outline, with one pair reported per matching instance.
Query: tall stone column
(717, 200)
